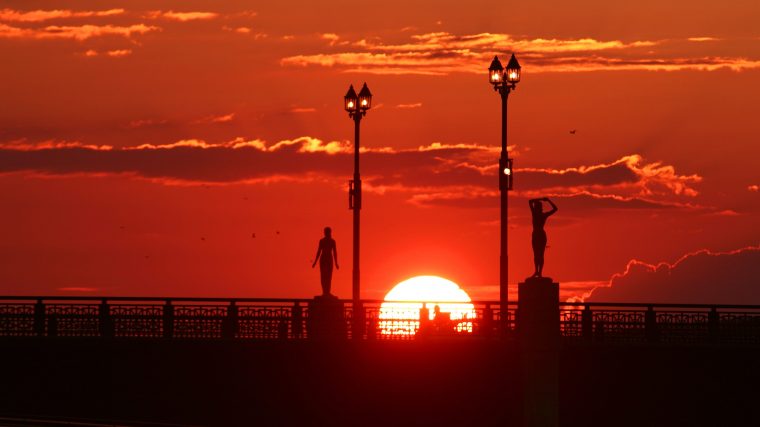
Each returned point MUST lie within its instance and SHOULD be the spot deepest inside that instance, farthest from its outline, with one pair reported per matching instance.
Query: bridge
(260, 319)
(238, 361)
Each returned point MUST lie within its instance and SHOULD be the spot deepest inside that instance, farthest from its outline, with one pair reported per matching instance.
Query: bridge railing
(404, 320)
(240, 318)
(289, 319)
(660, 323)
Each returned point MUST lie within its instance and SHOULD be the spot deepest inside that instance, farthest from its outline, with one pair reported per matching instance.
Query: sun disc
(400, 312)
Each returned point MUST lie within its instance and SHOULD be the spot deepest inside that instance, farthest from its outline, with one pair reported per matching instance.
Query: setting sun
(399, 317)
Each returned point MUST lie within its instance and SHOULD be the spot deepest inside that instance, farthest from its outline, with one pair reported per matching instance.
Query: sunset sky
(198, 148)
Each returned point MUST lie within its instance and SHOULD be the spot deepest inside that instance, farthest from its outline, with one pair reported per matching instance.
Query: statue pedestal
(538, 313)
(326, 319)
(538, 338)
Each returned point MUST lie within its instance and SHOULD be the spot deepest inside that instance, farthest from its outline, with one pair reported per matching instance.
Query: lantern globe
(365, 98)
(495, 71)
(350, 101)
(513, 70)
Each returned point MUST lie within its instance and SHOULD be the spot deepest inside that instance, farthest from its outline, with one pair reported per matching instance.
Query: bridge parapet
(660, 323)
(287, 319)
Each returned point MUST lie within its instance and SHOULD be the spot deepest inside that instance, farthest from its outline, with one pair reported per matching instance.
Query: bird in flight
(278, 231)
(572, 132)
(253, 235)
(203, 238)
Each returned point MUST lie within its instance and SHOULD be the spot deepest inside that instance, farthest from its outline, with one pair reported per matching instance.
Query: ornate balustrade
(288, 319)
(660, 323)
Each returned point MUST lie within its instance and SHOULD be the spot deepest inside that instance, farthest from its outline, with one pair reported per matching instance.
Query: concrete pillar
(538, 339)
(326, 318)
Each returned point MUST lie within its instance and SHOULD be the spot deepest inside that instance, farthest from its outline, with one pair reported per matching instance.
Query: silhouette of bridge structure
(257, 319)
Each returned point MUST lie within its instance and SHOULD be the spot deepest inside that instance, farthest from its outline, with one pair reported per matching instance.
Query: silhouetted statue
(539, 235)
(326, 252)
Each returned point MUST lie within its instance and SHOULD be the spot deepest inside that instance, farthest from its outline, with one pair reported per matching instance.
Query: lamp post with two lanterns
(357, 106)
(504, 80)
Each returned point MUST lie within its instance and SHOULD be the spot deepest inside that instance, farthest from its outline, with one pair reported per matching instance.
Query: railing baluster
(39, 318)
(282, 329)
(486, 326)
(713, 324)
(650, 325)
(230, 327)
(297, 316)
(106, 326)
(168, 320)
(587, 324)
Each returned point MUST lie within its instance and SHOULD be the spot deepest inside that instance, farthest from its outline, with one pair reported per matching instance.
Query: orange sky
(143, 144)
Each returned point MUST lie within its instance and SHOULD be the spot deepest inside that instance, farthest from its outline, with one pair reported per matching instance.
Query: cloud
(24, 145)
(444, 41)
(116, 53)
(246, 31)
(241, 30)
(725, 212)
(181, 16)
(701, 277)
(223, 118)
(629, 175)
(461, 175)
(10, 15)
(332, 38)
(245, 14)
(754, 188)
(74, 32)
(441, 53)
(134, 124)
(303, 110)
(477, 197)
(409, 106)
(702, 39)
(464, 175)
(185, 162)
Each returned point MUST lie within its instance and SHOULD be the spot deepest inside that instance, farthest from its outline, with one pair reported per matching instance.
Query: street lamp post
(504, 81)
(357, 106)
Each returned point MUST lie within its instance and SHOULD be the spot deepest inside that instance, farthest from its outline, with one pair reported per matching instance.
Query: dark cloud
(435, 175)
(569, 203)
(700, 278)
(202, 165)
(616, 173)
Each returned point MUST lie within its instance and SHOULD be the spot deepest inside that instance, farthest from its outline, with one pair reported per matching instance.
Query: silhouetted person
(326, 252)
(442, 321)
(539, 235)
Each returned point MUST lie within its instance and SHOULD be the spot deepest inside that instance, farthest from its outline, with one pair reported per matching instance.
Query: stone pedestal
(538, 338)
(326, 319)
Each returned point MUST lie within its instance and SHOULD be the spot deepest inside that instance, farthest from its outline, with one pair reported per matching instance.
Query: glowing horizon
(400, 311)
